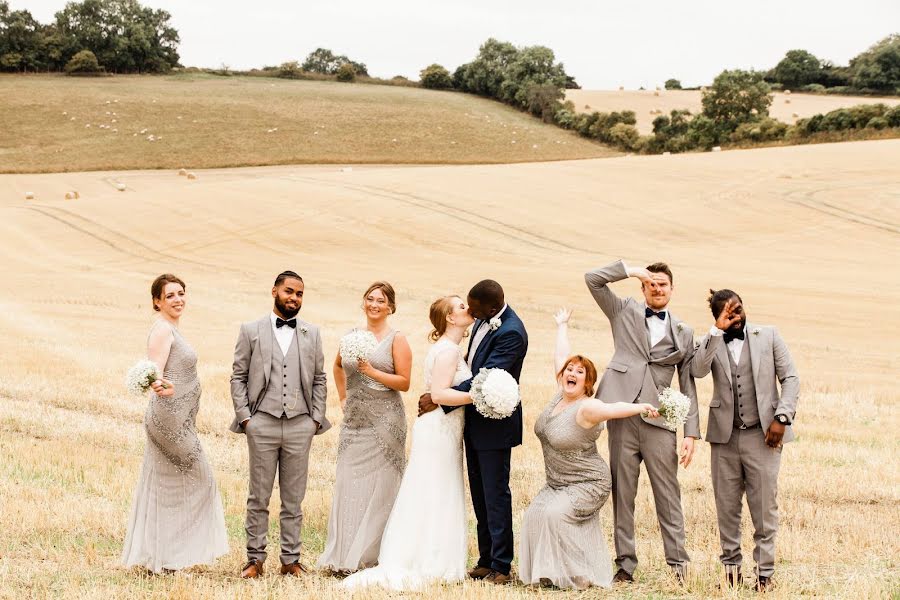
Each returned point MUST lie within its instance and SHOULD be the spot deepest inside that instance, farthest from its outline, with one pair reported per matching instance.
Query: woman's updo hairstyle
(438, 313)
(159, 284)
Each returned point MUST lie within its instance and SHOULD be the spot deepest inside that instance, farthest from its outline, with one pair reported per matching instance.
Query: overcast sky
(603, 44)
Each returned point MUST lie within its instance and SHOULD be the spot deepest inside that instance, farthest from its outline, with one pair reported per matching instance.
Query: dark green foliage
(83, 62)
(544, 101)
(892, 116)
(290, 70)
(877, 123)
(326, 62)
(346, 73)
(878, 68)
(435, 77)
(764, 130)
(797, 68)
(673, 84)
(736, 97)
(814, 88)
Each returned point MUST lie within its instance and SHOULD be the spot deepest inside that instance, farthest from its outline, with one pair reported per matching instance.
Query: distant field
(783, 108)
(53, 123)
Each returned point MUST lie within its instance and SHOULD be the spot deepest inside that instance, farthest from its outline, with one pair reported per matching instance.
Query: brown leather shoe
(295, 569)
(479, 572)
(498, 578)
(252, 570)
(623, 576)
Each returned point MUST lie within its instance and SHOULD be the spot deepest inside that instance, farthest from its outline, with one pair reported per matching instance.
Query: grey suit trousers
(280, 445)
(746, 463)
(631, 440)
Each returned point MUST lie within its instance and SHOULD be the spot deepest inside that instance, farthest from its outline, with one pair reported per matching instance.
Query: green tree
(83, 62)
(435, 77)
(20, 36)
(673, 84)
(326, 62)
(532, 66)
(544, 101)
(346, 73)
(485, 74)
(878, 68)
(736, 97)
(797, 68)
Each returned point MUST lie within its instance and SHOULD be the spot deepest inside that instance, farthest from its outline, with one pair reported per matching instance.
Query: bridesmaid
(176, 518)
(372, 443)
(562, 543)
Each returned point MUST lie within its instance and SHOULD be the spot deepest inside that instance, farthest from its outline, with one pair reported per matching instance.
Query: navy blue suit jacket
(504, 348)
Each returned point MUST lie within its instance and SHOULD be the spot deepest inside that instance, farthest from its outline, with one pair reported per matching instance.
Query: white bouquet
(141, 376)
(673, 408)
(495, 393)
(357, 344)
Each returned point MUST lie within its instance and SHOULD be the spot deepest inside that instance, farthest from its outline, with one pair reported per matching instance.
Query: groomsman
(748, 423)
(650, 343)
(278, 390)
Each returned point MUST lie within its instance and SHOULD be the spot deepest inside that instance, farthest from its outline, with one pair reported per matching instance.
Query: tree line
(117, 36)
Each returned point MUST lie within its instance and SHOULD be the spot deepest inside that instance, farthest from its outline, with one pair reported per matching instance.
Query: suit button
(739, 385)
(285, 395)
(738, 376)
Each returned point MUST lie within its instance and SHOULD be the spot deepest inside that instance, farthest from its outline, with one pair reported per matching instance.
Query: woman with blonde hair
(372, 442)
(562, 543)
(425, 537)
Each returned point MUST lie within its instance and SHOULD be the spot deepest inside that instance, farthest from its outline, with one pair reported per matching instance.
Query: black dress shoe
(765, 584)
(622, 576)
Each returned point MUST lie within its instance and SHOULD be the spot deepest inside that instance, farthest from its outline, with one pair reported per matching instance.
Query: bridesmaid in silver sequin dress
(176, 519)
(562, 543)
(372, 443)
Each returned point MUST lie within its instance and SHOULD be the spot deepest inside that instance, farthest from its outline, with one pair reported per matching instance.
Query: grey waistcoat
(662, 374)
(743, 389)
(284, 395)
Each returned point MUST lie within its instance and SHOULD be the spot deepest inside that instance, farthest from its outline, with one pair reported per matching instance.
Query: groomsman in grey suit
(278, 390)
(748, 423)
(650, 343)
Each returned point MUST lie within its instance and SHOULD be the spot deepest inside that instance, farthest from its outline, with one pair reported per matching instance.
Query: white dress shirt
(284, 334)
(735, 346)
(479, 335)
(657, 327)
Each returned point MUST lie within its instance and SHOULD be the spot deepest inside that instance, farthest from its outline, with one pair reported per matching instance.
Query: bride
(426, 535)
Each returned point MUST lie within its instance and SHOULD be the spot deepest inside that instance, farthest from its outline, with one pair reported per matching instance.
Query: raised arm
(442, 378)
(705, 351)
(563, 349)
(598, 282)
(239, 374)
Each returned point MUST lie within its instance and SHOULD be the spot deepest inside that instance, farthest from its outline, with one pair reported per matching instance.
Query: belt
(743, 426)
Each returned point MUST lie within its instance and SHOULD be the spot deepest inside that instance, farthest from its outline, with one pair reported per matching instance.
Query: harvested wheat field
(807, 235)
(55, 123)
(645, 103)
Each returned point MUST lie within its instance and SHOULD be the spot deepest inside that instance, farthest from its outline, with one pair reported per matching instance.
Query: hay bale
(717, 148)
(787, 92)
(656, 92)
(87, 125)
(795, 115)
(120, 186)
(143, 131)
(182, 172)
(621, 88)
(346, 169)
(787, 100)
(666, 153)
(29, 195)
(587, 107)
(73, 195)
(191, 176)
(65, 112)
(534, 146)
(72, 119)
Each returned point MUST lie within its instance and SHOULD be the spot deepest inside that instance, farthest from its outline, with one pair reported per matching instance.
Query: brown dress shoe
(479, 572)
(623, 576)
(498, 578)
(295, 569)
(252, 570)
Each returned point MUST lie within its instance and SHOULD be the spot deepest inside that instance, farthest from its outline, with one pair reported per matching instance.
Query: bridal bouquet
(141, 376)
(674, 408)
(495, 393)
(357, 344)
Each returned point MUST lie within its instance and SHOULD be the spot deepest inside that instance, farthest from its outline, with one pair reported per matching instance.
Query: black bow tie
(737, 335)
(292, 323)
(650, 313)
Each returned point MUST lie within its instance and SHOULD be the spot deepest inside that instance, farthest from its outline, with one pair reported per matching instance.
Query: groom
(278, 390)
(498, 341)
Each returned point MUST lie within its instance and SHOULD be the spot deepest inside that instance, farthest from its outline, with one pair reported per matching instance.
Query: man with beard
(748, 423)
(278, 389)
(650, 344)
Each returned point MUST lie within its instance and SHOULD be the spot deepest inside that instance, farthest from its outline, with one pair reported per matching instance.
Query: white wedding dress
(425, 538)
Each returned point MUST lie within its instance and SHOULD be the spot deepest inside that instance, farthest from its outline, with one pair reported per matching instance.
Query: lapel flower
(756, 331)
(680, 326)
(495, 323)
(304, 329)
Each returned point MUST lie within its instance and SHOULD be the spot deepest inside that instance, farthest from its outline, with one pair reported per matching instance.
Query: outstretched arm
(595, 411)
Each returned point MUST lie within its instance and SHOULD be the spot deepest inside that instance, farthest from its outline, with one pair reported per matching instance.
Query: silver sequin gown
(176, 518)
(370, 463)
(561, 538)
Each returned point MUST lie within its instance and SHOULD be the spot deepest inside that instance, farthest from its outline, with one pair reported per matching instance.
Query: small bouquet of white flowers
(357, 344)
(495, 394)
(141, 376)
(673, 408)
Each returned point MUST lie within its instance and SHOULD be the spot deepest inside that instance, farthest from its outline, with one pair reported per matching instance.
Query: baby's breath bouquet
(141, 376)
(495, 393)
(357, 344)
(673, 408)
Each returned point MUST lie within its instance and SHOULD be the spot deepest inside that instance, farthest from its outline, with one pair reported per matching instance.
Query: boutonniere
(756, 331)
(680, 326)
(304, 329)
(495, 323)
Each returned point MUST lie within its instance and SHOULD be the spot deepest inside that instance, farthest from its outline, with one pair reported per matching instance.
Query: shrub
(797, 68)
(543, 101)
(892, 116)
(290, 70)
(705, 133)
(815, 88)
(346, 73)
(736, 97)
(673, 84)
(566, 118)
(585, 121)
(83, 62)
(435, 77)
(624, 136)
(877, 123)
(764, 130)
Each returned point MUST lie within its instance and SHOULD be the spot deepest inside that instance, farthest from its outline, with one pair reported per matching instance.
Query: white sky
(603, 44)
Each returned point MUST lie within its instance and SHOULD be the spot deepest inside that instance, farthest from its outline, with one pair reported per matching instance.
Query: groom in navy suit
(498, 341)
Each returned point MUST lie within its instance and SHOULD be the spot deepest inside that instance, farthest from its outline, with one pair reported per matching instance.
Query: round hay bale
(787, 92)
(70, 196)
(795, 115)
(666, 153)
(29, 195)
(656, 92)
(717, 148)
(191, 176)
(182, 172)
(120, 186)
(787, 100)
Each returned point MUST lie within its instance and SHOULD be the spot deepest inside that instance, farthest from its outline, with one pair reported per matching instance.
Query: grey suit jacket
(771, 361)
(629, 371)
(253, 363)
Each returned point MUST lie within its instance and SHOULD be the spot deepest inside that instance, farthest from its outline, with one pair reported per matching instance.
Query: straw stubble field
(807, 235)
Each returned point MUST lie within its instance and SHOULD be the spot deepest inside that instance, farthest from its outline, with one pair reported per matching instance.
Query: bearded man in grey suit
(278, 389)
(650, 343)
(748, 423)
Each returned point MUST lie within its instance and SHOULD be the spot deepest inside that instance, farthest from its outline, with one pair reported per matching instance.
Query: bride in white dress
(425, 538)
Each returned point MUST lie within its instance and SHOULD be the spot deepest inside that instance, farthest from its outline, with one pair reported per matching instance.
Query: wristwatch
(783, 419)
